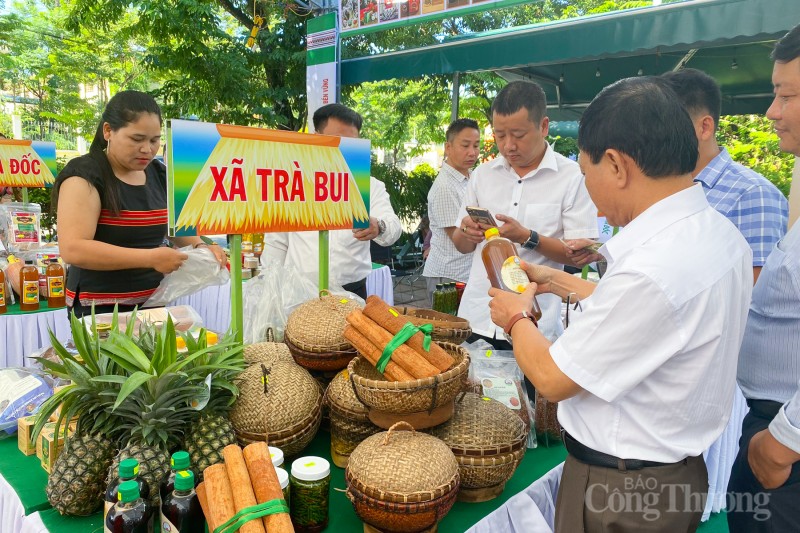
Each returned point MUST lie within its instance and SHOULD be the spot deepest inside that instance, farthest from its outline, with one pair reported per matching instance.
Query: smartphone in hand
(481, 215)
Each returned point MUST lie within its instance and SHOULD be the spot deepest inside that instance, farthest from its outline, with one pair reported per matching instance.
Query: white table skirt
(33, 524)
(12, 513)
(22, 335)
(213, 303)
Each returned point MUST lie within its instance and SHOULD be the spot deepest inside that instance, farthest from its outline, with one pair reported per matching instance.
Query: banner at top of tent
(365, 16)
(27, 163)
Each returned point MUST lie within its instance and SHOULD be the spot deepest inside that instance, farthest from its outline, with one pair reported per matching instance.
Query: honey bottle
(503, 266)
(29, 284)
(3, 307)
(56, 297)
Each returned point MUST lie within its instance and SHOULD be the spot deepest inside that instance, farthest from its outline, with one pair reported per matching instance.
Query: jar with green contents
(283, 479)
(309, 484)
(438, 298)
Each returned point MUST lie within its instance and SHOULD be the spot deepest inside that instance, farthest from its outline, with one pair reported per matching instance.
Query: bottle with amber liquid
(3, 307)
(29, 284)
(130, 514)
(56, 297)
(503, 266)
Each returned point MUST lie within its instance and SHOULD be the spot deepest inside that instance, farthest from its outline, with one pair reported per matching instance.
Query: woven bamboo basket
(446, 327)
(402, 481)
(488, 440)
(410, 398)
(267, 353)
(314, 333)
(349, 419)
(278, 403)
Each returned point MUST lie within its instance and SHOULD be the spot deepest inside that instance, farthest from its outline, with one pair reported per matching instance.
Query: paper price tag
(488, 353)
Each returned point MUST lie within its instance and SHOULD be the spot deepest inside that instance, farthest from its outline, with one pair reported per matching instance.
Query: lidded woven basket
(315, 332)
(446, 327)
(488, 440)
(279, 403)
(350, 423)
(402, 481)
(267, 353)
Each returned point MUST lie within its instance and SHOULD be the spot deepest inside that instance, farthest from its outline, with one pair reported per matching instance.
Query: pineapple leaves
(123, 351)
(136, 380)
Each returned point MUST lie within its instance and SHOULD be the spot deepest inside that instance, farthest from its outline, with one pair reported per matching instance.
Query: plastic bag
(22, 392)
(269, 299)
(496, 374)
(20, 226)
(199, 271)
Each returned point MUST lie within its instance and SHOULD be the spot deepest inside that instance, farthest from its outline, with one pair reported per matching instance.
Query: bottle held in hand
(503, 266)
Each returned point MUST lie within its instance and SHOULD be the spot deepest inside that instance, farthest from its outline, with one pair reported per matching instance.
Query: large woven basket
(488, 440)
(317, 326)
(328, 361)
(402, 481)
(402, 397)
(267, 353)
(446, 327)
(350, 423)
(279, 403)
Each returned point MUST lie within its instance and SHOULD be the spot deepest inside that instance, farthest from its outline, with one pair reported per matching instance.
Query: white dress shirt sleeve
(380, 207)
(470, 199)
(579, 215)
(785, 427)
(276, 246)
(625, 333)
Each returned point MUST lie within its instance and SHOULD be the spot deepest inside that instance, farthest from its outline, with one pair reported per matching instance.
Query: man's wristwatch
(381, 227)
(532, 242)
(516, 318)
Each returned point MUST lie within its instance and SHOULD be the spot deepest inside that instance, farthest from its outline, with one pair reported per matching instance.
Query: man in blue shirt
(744, 196)
(764, 490)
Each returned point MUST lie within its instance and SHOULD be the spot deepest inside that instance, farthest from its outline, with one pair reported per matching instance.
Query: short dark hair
(788, 47)
(642, 118)
(339, 112)
(521, 94)
(459, 125)
(699, 92)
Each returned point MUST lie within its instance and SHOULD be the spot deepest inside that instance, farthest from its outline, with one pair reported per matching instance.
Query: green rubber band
(408, 331)
(252, 513)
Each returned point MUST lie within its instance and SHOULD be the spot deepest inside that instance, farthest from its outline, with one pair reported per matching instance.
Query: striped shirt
(747, 199)
(769, 361)
(444, 202)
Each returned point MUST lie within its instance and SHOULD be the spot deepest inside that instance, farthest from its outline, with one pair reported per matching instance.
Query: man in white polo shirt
(536, 195)
(645, 375)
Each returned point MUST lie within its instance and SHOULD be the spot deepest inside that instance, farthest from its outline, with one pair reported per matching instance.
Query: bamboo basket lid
(402, 467)
(318, 324)
(481, 427)
(341, 398)
(275, 399)
(267, 353)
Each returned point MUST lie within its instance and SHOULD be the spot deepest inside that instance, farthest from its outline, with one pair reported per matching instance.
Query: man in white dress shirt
(764, 489)
(350, 261)
(444, 263)
(645, 374)
(536, 195)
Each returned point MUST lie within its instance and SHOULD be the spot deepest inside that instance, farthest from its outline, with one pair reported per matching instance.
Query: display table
(23, 333)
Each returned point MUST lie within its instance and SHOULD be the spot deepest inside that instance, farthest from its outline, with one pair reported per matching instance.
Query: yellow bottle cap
(491, 232)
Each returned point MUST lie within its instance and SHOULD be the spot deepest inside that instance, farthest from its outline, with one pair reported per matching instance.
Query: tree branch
(237, 13)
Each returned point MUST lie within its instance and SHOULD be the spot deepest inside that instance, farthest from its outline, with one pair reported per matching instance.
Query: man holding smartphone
(537, 197)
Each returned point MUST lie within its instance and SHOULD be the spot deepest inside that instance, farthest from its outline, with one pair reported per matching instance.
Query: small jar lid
(276, 454)
(128, 468)
(310, 468)
(128, 491)
(184, 480)
(283, 477)
(179, 460)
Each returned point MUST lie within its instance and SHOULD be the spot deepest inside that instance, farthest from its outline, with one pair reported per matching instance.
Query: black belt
(592, 457)
(764, 408)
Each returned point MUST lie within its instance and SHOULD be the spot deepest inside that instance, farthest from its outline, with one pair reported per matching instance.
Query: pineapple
(206, 439)
(77, 483)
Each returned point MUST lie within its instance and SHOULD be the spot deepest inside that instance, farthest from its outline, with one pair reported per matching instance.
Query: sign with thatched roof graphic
(27, 163)
(236, 179)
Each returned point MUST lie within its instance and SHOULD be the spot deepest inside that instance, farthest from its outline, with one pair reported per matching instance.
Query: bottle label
(30, 292)
(514, 278)
(166, 525)
(2, 293)
(55, 286)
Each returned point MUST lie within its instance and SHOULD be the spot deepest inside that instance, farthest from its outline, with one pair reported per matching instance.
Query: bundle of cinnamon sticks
(243, 480)
(370, 330)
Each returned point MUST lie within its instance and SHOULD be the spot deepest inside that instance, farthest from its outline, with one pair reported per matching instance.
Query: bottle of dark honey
(503, 266)
(56, 297)
(29, 284)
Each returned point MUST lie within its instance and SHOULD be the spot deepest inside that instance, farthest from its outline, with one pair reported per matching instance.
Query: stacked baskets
(314, 335)
(488, 441)
(279, 402)
(349, 419)
(402, 481)
(422, 402)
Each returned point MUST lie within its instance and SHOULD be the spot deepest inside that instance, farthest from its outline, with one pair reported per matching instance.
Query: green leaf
(135, 381)
(110, 379)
